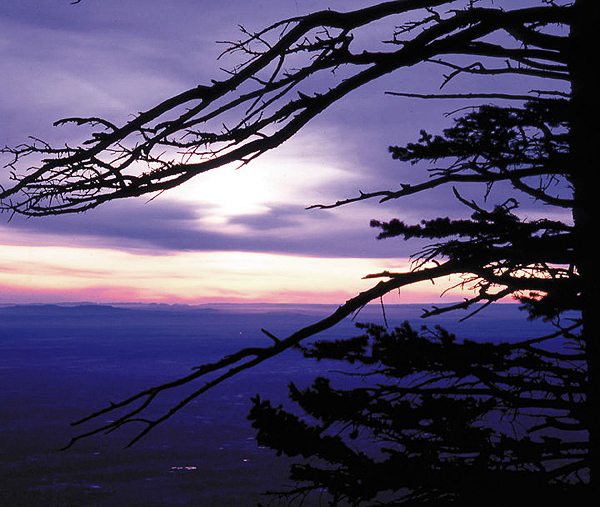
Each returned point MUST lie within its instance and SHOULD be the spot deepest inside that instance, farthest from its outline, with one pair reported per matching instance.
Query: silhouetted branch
(263, 102)
(503, 96)
(247, 358)
(410, 189)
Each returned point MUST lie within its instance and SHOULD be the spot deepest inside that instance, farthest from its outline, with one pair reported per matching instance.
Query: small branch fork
(540, 154)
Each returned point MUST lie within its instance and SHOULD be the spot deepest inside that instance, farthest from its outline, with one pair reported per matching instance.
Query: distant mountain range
(496, 322)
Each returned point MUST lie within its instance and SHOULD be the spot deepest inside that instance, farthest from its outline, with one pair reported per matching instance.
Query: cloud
(115, 58)
(167, 226)
(275, 218)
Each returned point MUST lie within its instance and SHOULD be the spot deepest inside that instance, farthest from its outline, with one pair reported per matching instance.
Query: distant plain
(61, 362)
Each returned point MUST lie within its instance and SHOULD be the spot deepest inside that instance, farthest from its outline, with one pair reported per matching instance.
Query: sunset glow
(64, 274)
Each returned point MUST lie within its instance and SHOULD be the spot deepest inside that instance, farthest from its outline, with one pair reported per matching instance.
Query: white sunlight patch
(300, 173)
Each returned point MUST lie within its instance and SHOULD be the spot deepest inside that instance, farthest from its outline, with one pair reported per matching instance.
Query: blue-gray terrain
(61, 362)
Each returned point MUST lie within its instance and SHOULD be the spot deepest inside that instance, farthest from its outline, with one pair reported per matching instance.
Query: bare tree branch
(262, 103)
(242, 360)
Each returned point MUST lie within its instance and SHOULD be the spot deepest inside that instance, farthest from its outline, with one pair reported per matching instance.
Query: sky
(231, 235)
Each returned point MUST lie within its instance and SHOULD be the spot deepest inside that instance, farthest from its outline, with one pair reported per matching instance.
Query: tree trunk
(586, 181)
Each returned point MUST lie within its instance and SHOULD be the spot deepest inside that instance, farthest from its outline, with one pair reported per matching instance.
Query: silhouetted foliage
(454, 422)
(426, 419)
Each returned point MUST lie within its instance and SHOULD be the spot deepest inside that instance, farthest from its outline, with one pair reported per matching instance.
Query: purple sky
(111, 58)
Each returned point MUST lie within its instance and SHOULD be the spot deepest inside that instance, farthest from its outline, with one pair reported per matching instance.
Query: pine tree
(537, 144)
(435, 420)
